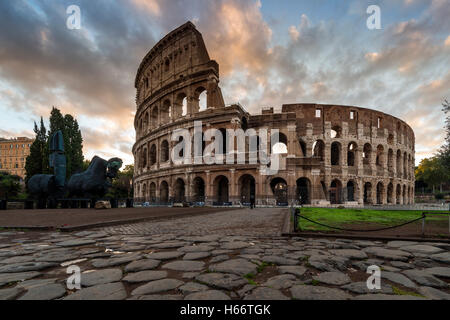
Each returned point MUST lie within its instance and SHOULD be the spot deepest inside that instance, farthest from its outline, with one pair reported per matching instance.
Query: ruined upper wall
(179, 55)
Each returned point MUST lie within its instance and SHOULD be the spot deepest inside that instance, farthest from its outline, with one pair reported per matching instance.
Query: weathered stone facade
(334, 154)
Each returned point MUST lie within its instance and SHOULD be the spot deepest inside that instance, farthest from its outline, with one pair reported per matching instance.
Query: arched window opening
(279, 147)
(335, 154)
(164, 151)
(319, 149)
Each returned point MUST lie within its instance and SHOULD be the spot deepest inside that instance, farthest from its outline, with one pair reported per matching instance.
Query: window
(352, 115)
(379, 123)
(318, 113)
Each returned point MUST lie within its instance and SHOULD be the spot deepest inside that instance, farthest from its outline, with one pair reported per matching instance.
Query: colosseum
(330, 154)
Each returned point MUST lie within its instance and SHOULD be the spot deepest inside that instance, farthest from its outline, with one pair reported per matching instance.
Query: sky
(270, 53)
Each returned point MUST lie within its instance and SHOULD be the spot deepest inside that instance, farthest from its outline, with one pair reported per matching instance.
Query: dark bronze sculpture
(92, 183)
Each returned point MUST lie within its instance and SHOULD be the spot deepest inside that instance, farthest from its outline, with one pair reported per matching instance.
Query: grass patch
(400, 292)
(262, 266)
(315, 282)
(344, 217)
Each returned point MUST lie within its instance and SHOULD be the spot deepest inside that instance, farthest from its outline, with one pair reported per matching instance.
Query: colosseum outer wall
(330, 154)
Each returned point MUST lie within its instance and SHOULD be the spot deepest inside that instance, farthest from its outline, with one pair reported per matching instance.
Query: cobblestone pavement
(158, 264)
(261, 221)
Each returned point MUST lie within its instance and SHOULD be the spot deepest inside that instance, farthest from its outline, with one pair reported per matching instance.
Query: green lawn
(346, 217)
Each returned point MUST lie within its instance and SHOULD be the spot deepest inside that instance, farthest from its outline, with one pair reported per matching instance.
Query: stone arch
(367, 153)
(380, 192)
(165, 111)
(247, 188)
(399, 163)
(164, 192)
(336, 132)
(391, 161)
(154, 117)
(351, 190)
(198, 191)
(144, 158)
(303, 191)
(164, 151)
(179, 190)
(398, 194)
(280, 146)
(405, 165)
(201, 99)
(405, 201)
(352, 150)
(367, 193)
(380, 156)
(390, 193)
(279, 189)
(221, 189)
(152, 155)
(302, 145)
(144, 191)
(318, 149)
(336, 191)
(145, 124)
(152, 192)
(336, 154)
(179, 105)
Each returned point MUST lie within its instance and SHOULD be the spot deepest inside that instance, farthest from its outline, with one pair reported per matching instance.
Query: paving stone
(433, 293)
(196, 255)
(442, 272)
(18, 259)
(398, 278)
(140, 265)
(6, 278)
(237, 266)
(57, 256)
(93, 278)
(44, 292)
(283, 281)
(10, 294)
(185, 265)
(265, 293)
(166, 255)
(389, 254)
(28, 284)
(402, 265)
(190, 275)
(234, 245)
(295, 270)
(333, 278)
(157, 286)
(169, 245)
(27, 266)
(221, 280)
(245, 290)
(219, 258)
(158, 297)
(206, 238)
(350, 253)
(425, 279)
(116, 260)
(441, 257)
(108, 291)
(147, 275)
(208, 295)
(304, 292)
(390, 268)
(75, 243)
(199, 248)
(281, 261)
(421, 248)
(192, 287)
(361, 288)
(328, 262)
(399, 243)
(381, 296)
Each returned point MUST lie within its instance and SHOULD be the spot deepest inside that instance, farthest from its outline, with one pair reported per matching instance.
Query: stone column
(233, 196)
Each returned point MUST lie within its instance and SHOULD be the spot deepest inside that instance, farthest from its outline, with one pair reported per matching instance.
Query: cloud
(90, 72)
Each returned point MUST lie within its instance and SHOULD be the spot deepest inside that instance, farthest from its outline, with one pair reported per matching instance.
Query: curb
(361, 237)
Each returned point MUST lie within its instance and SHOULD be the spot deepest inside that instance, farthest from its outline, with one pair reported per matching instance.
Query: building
(13, 155)
(330, 154)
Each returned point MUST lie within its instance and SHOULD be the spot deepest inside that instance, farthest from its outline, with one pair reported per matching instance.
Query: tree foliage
(37, 161)
(122, 186)
(9, 185)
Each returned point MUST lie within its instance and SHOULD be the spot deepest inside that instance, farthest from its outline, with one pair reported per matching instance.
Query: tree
(73, 141)
(444, 152)
(122, 185)
(432, 172)
(37, 161)
(9, 185)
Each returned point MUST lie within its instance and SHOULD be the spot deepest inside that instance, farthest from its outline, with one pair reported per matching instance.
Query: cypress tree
(35, 163)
